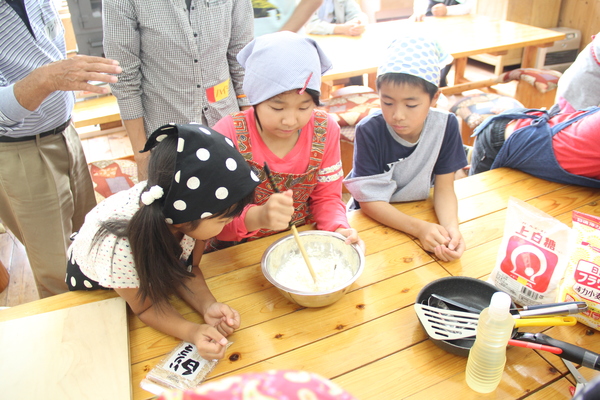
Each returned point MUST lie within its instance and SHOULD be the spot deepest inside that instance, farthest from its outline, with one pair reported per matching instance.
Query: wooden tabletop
(461, 36)
(96, 111)
(370, 342)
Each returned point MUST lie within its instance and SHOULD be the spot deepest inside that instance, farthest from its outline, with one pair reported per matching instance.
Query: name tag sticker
(218, 92)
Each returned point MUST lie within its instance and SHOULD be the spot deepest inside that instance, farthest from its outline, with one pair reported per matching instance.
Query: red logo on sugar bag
(529, 263)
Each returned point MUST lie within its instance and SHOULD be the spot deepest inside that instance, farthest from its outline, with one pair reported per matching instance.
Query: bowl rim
(357, 249)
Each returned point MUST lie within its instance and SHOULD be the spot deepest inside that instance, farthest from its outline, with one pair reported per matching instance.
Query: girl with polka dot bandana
(146, 242)
(284, 130)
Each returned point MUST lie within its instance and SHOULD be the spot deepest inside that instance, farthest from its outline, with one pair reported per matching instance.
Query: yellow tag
(218, 92)
(522, 280)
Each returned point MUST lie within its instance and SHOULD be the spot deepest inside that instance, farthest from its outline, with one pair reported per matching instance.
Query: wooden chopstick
(293, 226)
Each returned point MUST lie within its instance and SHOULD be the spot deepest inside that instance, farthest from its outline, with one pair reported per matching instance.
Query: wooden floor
(115, 144)
(21, 288)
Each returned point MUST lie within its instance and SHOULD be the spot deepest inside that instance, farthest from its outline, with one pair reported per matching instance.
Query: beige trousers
(45, 192)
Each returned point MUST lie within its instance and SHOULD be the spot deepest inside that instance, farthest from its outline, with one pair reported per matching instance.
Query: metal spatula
(444, 324)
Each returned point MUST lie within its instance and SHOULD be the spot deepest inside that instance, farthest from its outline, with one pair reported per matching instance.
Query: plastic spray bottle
(488, 354)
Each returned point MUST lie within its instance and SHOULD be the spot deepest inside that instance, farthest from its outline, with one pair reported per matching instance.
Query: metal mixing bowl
(317, 244)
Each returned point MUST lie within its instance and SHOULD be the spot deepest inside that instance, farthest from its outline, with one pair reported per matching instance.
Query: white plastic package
(582, 277)
(533, 255)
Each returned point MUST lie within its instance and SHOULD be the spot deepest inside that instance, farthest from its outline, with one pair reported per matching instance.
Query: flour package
(533, 255)
(582, 277)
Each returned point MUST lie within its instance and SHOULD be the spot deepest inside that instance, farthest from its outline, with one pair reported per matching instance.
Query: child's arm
(446, 209)
(419, 10)
(275, 214)
(210, 343)
(199, 296)
(325, 201)
(224, 318)
(316, 26)
(304, 9)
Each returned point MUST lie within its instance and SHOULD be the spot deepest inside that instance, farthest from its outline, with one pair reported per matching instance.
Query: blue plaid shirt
(21, 53)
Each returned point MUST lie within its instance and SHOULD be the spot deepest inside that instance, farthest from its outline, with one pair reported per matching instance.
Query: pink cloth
(577, 147)
(544, 80)
(271, 385)
(325, 202)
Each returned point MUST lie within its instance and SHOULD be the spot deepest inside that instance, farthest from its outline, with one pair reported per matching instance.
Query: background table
(102, 110)
(370, 341)
(462, 36)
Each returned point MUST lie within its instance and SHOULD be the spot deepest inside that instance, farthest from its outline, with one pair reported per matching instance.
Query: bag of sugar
(533, 255)
(582, 277)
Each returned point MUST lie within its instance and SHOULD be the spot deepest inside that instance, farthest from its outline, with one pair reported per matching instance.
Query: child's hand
(224, 318)
(454, 249)
(432, 235)
(277, 212)
(416, 17)
(351, 237)
(356, 30)
(439, 10)
(357, 27)
(350, 28)
(210, 343)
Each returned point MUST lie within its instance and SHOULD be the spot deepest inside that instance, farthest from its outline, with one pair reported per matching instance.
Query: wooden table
(461, 36)
(103, 111)
(370, 341)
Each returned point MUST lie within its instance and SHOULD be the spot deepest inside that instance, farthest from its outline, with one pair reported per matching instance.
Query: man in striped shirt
(45, 186)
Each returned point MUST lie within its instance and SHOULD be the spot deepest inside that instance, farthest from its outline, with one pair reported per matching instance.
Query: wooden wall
(541, 13)
(583, 15)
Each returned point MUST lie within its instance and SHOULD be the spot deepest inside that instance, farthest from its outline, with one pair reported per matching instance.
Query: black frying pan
(468, 291)
(477, 294)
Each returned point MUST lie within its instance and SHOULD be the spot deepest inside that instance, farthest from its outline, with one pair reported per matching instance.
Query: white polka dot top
(110, 262)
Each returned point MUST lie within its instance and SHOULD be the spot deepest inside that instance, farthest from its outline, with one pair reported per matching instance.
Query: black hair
(395, 78)
(314, 96)
(156, 251)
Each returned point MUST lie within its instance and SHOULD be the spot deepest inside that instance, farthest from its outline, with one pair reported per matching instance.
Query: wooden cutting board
(75, 353)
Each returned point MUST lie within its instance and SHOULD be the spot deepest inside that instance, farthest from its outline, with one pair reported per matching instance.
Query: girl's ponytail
(155, 249)
(156, 252)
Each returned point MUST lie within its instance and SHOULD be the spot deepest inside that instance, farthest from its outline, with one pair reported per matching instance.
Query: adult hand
(75, 73)
(68, 74)
(439, 10)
